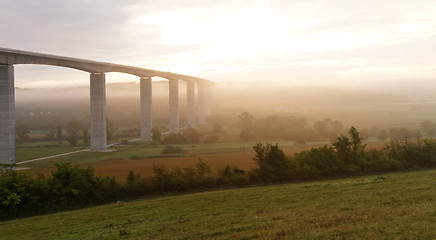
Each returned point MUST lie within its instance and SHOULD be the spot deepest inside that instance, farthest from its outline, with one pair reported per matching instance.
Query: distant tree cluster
(287, 128)
(297, 129)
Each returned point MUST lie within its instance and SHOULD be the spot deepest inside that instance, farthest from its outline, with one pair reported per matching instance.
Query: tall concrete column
(98, 112)
(201, 104)
(146, 108)
(174, 105)
(190, 106)
(7, 115)
(208, 92)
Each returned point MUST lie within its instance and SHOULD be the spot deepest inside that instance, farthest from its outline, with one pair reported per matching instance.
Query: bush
(174, 138)
(171, 149)
(232, 176)
(73, 186)
(183, 178)
(135, 185)
(271, 161)
(316, 163)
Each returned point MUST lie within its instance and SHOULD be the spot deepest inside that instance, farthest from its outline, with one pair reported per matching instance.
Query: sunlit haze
(337, 43)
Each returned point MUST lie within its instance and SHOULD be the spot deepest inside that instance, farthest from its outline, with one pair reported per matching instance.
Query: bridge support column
(146, 108)
(174, 105)
(208, 98)
(190, 107)
(201, 104)
(7, 115)
(98, 112)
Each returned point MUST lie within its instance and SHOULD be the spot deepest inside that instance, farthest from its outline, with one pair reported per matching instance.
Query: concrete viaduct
(97, 70)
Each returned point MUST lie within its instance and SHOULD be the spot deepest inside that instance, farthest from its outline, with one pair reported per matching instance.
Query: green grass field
(32, 150)
(388, 206)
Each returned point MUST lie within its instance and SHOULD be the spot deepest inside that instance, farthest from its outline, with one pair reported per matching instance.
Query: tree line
(297, 129)
(73, 132)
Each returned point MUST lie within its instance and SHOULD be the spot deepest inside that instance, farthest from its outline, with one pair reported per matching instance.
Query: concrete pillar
(98, 112)
(208, 95)
(146, 108)
(190, 106)
(7, 115)
(201, 104)
(174, 105)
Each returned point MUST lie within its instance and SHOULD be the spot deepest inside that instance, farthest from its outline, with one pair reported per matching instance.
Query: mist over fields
(399, 103)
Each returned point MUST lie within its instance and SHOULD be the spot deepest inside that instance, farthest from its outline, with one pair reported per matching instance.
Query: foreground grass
(394, 206)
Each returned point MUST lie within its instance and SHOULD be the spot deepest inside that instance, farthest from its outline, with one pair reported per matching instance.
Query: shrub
(183, 178)
(135, 185)
(271, 161)
(316, 163)
(171, 149)
(72, 185)
(174, 138)
(232, 176)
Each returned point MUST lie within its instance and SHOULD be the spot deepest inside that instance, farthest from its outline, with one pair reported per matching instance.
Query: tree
(271, 161)
(217, 128)
(59, 134)
(51, 134)
(328, 128)
(428, 128)
(73, 129)
(155, 135)
(191, 135)
(23, 132)
(246, 120)
(350, 150)
(356, 139)
(85, 136)
(110, 129)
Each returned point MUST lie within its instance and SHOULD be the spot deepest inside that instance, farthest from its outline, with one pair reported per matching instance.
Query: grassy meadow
(32, 150)
(388, 206)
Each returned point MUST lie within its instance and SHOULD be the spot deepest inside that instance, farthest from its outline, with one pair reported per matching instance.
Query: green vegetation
(346, 157)
(394, 206)
(21, 195)
(171, 149)
(73, 131)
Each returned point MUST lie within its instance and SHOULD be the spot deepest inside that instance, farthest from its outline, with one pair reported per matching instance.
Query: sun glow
(241, 37)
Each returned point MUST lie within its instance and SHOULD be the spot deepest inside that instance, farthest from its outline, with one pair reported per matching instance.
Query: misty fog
(400, 104)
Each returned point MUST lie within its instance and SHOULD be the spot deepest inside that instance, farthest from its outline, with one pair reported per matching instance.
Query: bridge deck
(12, 57)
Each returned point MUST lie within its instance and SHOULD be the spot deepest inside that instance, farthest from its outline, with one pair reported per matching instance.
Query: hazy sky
(336, 42)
